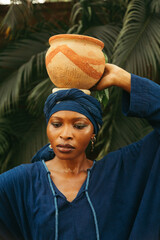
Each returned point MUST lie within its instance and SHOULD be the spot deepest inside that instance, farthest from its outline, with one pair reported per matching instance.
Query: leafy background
(130, 30)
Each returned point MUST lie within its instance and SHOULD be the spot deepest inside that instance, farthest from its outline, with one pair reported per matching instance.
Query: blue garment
(123, 188)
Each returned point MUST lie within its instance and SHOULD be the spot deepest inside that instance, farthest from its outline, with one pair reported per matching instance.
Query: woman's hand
(114, 76)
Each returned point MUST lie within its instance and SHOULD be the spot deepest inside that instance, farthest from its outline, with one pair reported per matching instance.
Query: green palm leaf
(5, 140)
(17, 54)
(155, 6)
(22, 66)
(137, 47)
(15, 22)
(107, 34)
(38, 95)
(21, 81)
(30, 135)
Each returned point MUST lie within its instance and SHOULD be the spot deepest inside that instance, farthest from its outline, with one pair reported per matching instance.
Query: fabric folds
(77, 101)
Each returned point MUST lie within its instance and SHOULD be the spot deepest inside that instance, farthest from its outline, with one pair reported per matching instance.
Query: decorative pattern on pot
(75, 61)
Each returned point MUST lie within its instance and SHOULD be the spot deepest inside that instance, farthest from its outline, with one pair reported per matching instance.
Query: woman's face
(69, 134)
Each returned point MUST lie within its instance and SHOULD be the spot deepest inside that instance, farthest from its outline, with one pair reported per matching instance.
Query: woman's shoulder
(19, 174)
(114, 157)
(131, 152)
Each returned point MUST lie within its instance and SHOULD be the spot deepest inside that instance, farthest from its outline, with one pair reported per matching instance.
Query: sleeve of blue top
(143, 101)
(10, 215)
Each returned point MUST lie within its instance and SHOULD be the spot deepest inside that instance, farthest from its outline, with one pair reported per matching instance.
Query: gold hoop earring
(92, 143)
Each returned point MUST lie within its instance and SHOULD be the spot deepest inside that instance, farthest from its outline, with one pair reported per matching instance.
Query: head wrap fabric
(45, 153)
(77, 101)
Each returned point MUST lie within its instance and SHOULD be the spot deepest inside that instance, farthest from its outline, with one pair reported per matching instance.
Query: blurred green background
(130, 30)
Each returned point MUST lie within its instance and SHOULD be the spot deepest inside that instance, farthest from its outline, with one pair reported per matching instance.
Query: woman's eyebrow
(75, 118)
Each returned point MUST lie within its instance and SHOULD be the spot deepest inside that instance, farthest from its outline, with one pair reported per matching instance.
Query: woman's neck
(73, 166)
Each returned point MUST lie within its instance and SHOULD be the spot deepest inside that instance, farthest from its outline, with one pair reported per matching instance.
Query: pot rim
(76, 36)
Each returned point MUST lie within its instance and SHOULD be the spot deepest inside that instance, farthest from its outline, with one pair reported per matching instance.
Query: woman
(71, 197)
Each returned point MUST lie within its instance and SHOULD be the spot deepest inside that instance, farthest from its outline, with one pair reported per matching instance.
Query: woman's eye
(80, 126)
(56, 124)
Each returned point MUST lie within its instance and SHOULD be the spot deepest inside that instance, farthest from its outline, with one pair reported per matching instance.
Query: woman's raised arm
(144, 98)
(114, 76)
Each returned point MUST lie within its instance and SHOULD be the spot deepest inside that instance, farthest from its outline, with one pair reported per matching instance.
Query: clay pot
(75, 61)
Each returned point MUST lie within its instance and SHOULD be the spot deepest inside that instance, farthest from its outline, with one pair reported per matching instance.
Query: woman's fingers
(114, 76)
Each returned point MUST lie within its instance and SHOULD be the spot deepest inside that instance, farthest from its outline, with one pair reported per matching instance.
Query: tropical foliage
(131, 33)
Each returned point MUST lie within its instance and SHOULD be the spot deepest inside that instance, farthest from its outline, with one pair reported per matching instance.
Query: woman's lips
(65, 148)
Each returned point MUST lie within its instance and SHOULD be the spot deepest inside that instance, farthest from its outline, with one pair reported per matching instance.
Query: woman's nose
(66, 132)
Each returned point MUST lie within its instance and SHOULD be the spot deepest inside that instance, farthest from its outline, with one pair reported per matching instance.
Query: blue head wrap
(77, 101)
(71, 100)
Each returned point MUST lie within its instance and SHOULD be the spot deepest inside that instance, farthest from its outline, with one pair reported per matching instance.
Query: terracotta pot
(75, 61)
